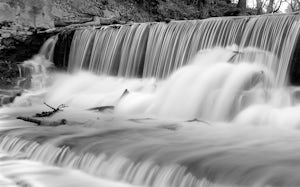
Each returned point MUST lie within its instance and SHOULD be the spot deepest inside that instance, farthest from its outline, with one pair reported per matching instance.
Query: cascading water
(183, 104)
(47, 49)
(157, 49)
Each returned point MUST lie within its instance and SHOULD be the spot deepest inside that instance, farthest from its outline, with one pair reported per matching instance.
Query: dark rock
(62, 49)
(234, 12)
(5, 24)
(167, 20)
(19, 48)
(294, 75)
(9, 42)
(7, 97)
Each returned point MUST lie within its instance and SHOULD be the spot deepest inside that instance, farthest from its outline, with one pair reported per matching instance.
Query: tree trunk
(200, 4)
(242, 4)
(270, 6)
(258, 7)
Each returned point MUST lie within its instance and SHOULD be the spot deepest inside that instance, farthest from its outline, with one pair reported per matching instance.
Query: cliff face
(48, 13)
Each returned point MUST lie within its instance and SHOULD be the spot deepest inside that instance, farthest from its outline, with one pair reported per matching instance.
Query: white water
(207, 89)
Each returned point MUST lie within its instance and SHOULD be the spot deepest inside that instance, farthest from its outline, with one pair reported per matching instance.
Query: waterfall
(158, 49)
(197, 103)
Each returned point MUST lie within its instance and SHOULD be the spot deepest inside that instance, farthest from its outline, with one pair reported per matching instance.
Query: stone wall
(29, 13)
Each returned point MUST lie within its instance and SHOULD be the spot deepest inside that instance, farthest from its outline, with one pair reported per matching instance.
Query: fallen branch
(50, 113)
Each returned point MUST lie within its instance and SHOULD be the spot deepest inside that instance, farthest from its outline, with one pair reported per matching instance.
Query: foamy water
(208, 89)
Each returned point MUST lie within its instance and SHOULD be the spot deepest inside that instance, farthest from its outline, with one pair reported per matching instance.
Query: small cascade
(35, 71)
(158, 49)
(24, 75)
(47, 50)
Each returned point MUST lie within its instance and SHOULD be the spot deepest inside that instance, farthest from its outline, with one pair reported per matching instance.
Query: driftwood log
(43, 122)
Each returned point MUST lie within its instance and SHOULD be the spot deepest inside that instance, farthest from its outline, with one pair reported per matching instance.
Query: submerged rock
(103, 108)
(8, 96)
